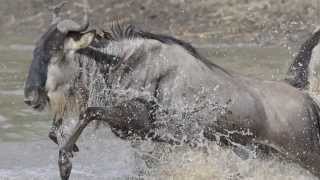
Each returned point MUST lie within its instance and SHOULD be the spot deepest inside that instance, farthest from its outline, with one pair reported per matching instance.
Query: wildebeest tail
(305, 62)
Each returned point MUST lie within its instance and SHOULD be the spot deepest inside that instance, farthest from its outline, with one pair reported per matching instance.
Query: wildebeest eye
(54, 51)
(56, 48)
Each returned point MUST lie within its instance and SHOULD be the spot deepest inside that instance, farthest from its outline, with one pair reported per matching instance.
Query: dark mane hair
(120, 32)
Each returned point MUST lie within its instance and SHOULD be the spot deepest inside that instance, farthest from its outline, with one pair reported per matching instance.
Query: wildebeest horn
(68, 25)
(55, 11)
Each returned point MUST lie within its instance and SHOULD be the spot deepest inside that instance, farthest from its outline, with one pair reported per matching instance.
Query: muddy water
(26, 152)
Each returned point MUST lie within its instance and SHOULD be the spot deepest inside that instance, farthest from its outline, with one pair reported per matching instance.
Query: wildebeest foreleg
(65, 154)
(56, 124)
(132, 115)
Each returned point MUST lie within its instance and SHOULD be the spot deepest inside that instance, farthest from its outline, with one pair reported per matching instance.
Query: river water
(27, 153)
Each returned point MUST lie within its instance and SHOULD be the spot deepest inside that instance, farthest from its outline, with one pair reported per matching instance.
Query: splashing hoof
(52, 135)
(75, 148)
(65, 165)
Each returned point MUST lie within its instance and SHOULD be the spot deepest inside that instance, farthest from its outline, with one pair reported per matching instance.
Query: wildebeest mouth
(38, 104)
(38, 107)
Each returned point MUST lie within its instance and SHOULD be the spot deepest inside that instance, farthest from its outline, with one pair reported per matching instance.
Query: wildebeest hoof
(65, 165)
(75, 148)
(52, 135)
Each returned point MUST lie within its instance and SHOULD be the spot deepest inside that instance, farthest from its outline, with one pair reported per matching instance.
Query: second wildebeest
(158, 87)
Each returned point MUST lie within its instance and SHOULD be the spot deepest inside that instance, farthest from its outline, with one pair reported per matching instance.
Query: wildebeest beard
(88, 87)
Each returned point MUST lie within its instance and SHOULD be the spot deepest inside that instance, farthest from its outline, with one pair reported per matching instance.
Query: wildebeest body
(158, 87)
(271, 111)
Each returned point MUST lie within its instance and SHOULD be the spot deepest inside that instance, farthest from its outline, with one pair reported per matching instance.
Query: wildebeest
(158, 87)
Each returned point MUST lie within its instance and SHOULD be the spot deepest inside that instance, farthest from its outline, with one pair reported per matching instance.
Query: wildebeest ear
(86, 39)
(80, 41)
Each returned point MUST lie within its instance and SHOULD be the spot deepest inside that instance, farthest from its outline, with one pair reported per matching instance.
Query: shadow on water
(27, 153)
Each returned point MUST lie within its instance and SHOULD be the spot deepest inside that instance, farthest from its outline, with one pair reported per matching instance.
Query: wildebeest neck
(98, 56)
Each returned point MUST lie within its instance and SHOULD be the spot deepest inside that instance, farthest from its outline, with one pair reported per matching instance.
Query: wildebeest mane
(120, 32)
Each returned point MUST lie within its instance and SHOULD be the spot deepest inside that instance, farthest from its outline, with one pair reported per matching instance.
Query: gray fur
(158, 87)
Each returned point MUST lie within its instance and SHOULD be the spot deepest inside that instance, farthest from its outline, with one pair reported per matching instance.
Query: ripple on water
(99, 158)
(3, 118)
(4, 122)
(104, 156)
(6, 126)
(12, 92)
(12, 135)
(29, 111)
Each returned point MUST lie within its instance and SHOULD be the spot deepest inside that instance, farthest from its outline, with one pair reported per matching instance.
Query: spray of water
(200, 159)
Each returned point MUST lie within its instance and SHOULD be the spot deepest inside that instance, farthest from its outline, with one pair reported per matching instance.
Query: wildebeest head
(51, 55)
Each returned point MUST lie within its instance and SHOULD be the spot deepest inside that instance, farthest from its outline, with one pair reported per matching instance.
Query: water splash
(202, 160)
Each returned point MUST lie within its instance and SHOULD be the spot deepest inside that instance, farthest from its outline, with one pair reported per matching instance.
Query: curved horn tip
(55, 10)
(316, 29)
(69, 25)
(57, 6)
(66, 26)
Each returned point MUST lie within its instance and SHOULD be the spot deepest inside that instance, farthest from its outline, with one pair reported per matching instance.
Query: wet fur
(63, 102)
(256, 105)
(67, 92)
